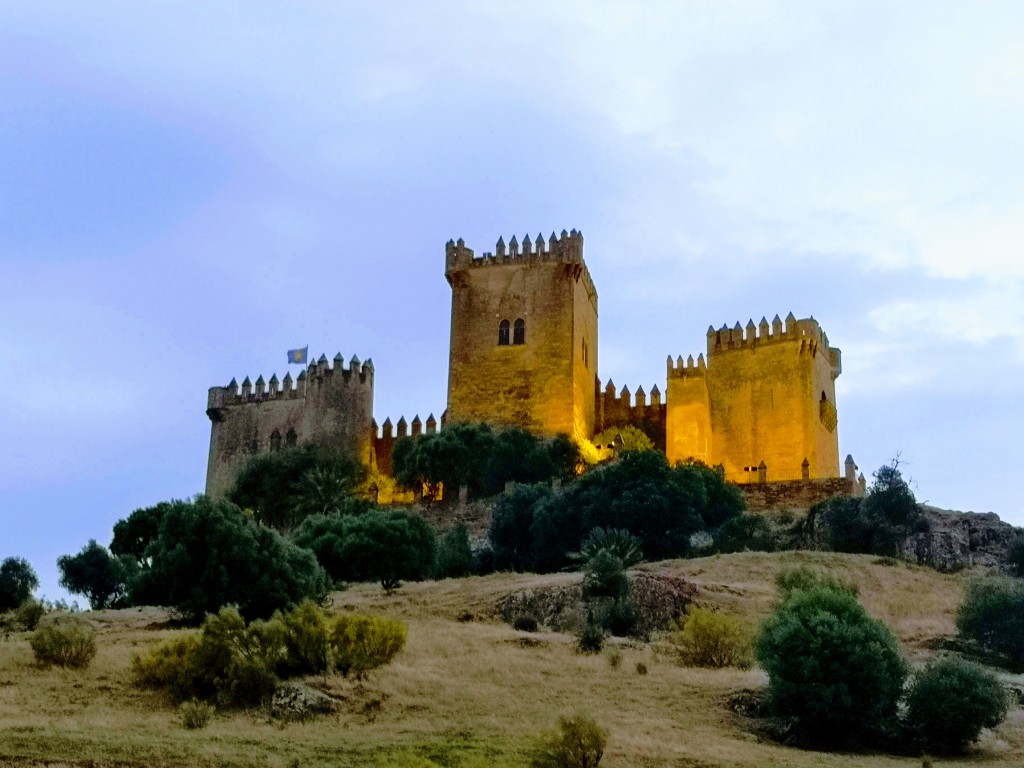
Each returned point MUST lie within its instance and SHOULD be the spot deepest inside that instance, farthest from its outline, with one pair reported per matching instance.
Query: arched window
(519, 334)
(291, 438)
(275, 440)
(503, 333)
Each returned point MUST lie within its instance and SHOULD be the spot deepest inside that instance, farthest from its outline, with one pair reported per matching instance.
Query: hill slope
(470, 692)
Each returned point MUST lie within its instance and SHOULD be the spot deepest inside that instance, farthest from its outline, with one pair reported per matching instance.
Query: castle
(524, 352)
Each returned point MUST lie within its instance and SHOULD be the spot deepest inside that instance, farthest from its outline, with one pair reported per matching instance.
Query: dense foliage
(17, 580)
(95, 573)
(454, 553)
(208, 554)
(379, 545)
(992, 615)
(662, 506)
(833, 669)
(64, 640)
(481, 458)
(284, 487)
(877, 524)
(237, 664)
(950, 701)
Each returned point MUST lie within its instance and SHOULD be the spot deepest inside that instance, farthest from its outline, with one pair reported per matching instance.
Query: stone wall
(796, 494)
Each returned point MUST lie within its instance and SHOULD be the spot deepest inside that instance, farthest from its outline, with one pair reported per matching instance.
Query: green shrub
(29, 613)
(454, 554)
(641, 668)
(195, 714)
(591, 637)
(615, 541)
(950, 701)
(992, 615)
(790, 580)
(615, 658)
(171, 666)
(1015, 555)
(305, 635)
(578, 742)
(833, 669)
(525, 623)
(707, 638)
(604, 576)
(362, 643)
(65, 641)
(746, 532)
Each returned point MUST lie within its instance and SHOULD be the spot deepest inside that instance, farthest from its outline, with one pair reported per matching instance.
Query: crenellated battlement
(807, 330)
(624, 408)
(319, 371)
(689, 368)
(566, 248)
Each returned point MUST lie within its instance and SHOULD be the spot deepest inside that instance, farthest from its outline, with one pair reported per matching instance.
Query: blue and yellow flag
(298, 355)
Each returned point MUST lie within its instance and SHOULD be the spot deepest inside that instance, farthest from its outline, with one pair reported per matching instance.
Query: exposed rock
(294, 701)
(959, 540)
(660, 599)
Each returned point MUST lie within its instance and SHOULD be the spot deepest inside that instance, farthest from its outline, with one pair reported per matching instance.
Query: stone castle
(524, 352)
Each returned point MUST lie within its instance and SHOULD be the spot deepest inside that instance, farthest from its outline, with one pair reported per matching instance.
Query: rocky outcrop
(957, 540)
(659, 600)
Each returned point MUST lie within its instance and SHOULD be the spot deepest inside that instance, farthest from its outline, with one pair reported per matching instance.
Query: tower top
(566, 248)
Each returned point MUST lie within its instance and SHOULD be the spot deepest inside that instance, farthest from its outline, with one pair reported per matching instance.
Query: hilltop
(469, 690)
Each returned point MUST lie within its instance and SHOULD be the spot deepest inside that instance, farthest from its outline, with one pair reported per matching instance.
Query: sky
(188, 190)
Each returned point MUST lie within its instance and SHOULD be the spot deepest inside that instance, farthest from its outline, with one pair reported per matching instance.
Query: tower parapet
(807, 331)
(324, 406)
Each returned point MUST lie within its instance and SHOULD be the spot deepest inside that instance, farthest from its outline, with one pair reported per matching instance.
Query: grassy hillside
(470, 692)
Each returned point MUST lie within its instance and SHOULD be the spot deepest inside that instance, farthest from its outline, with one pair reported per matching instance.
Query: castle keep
(524, 352)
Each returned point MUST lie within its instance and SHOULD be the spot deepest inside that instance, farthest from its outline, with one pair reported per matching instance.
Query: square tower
(523, 346)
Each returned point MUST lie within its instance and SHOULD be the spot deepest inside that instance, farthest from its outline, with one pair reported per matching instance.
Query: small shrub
(305, 635)
(707, 638)
(615, 658)
(578, 742)
(170, 666)
(950, 701)
(616, 541)
(992, 615)
(789, 580)
(28, 614)
(622, 618)
(454, 554)
(591, 638)
(641, 668)
(604, 576)
(66, 641)
(362, 643)
(195, 714)
(525, 624)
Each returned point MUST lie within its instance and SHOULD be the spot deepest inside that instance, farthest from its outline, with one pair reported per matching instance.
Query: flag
(298, 355)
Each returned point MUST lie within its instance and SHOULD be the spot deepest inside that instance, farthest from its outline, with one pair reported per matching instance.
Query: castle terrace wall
(327, 407)
(796, 494)
(620, 410)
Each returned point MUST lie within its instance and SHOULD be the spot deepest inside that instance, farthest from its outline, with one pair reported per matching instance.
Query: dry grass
(466, 693)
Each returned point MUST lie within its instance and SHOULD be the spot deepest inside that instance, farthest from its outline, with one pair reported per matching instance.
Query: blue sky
(188, 190)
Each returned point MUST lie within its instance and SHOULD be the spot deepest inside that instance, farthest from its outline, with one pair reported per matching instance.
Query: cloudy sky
(188, 190)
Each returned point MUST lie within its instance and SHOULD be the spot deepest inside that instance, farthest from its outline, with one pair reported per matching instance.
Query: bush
(992, 615)
(225, 661)
(832, 668)
(95, 573)
(362, 643)
(950, 701)
(65, 641)
(579, 742)
(616, 541)
(591, 637)
(379, 545)
(17, 580)
(511, 530)
(525, 624)
(24, 618)
(305, 636)
(790, 580)
(195, 714)
(604, 576)
(1015, 555)
(746, 533)
(208, 554)
(454, 554)
(707, 638)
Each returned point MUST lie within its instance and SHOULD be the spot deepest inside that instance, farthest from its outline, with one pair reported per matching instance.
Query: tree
(950, 701)
(510, 532)
(385, 546)
(281, 487)
(95, 573)
(633, 439)
(134, 534)
(17, 580)
(832, 668)
(454, 553)
(209, 554)
(992, 615)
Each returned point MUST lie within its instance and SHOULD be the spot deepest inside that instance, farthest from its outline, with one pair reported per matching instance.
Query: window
(519, 335)
(585, 352)
(275, 440)
(503, 333)
(291, 438)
